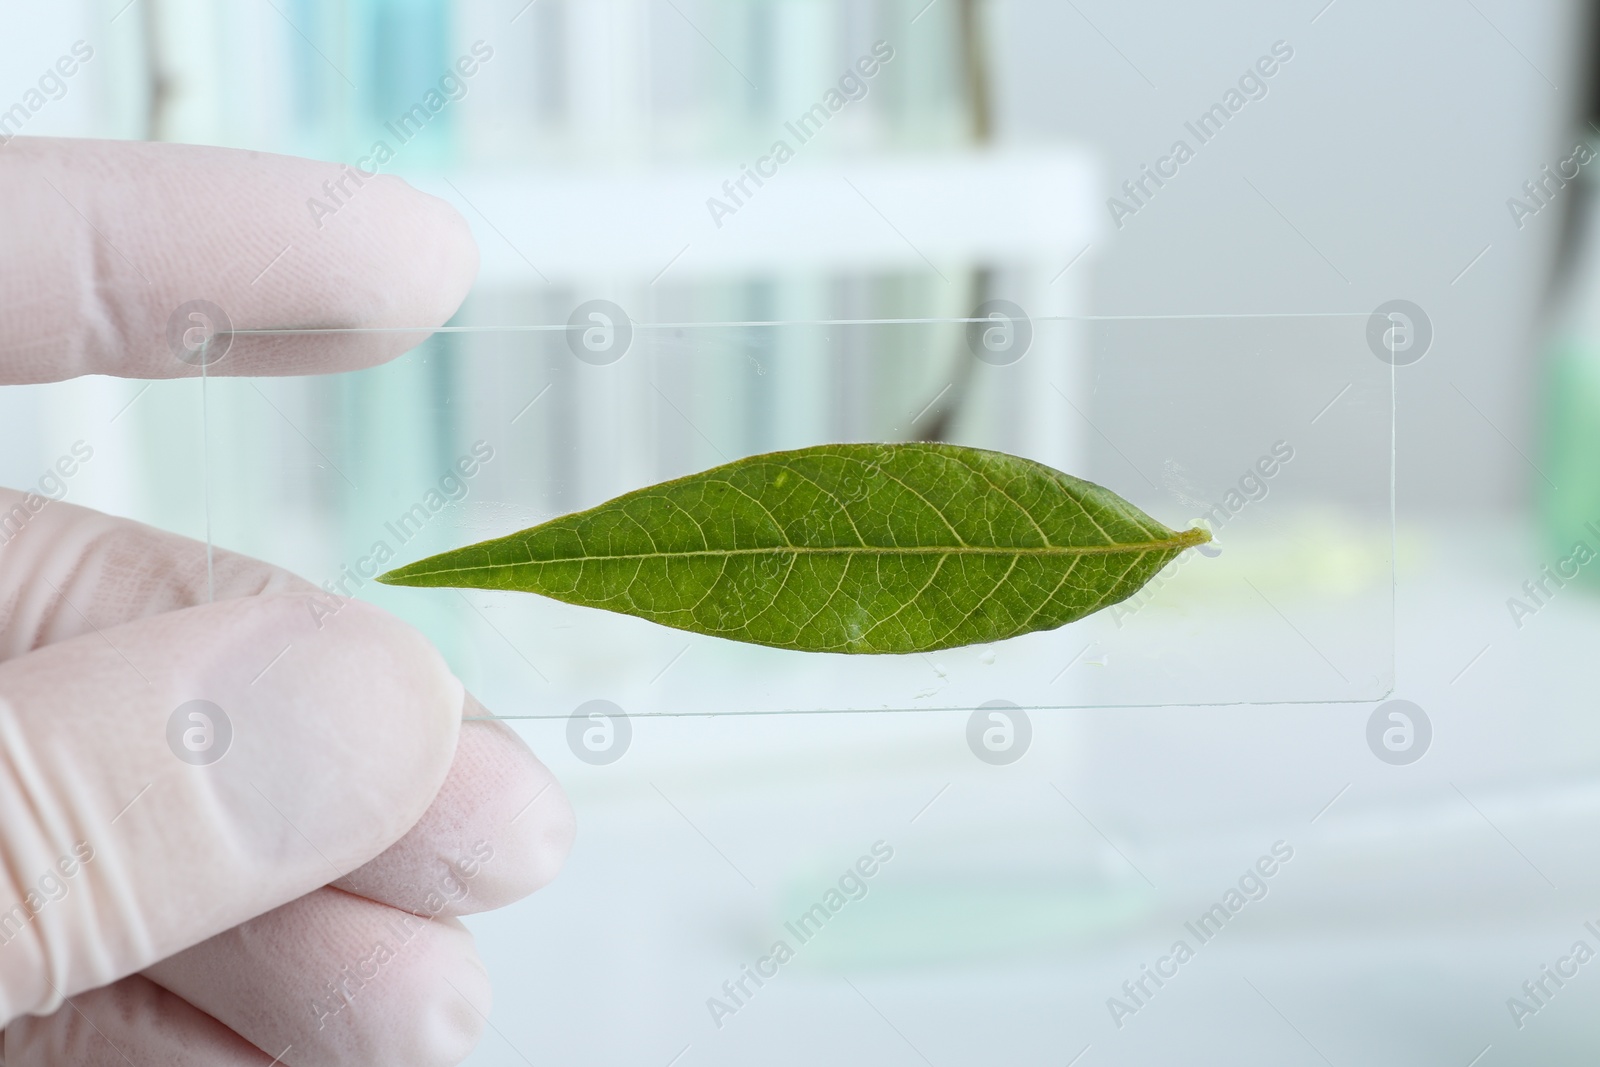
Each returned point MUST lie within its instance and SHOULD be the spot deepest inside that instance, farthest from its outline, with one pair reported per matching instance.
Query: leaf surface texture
(857, 548)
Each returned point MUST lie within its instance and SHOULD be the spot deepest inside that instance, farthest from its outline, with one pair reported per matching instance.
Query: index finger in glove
(121, 257)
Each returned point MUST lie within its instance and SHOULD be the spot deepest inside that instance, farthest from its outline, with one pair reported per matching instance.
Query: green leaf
(838, 548)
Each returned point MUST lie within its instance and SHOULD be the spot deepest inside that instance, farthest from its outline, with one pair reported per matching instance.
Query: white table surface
(1414, 906)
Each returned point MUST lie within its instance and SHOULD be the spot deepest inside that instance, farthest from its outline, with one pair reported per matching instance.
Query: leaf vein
(973, 611)
(1018, 504)
(931, 507)
(912, 599)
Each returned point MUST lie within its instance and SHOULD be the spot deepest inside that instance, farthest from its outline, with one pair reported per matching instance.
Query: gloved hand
(293, 902)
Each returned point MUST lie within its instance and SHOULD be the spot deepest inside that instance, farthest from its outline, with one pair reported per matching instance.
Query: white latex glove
(293, 902)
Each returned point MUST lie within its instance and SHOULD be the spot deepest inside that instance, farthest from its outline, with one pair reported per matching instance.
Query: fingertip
(399, 653)
(454, 1022)
(348, 701)
(453, 249)
(216, 243)
(392, 259)
(130, 1021)
(341, 980)
(500, 828)
(422, 255)
(404, 700)
(534, 825)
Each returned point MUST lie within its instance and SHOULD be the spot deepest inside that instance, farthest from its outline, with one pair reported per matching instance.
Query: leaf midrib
(1183, 540)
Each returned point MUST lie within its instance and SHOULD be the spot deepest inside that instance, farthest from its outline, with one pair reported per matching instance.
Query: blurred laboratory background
(1373, 252)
